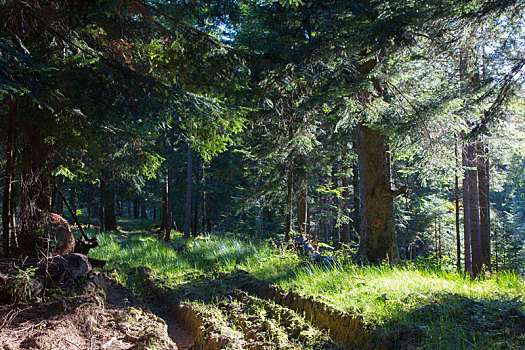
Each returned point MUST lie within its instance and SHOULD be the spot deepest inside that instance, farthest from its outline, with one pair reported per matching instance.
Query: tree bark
(456, 198)
(74, 196)
(101, 203)
(289, 185)
(7, 211)
(346, 200)
(378, 239)
(110, 219)
(302, 197)
(195, 227)
(355, 186)
(164, 210)
(168, 211)
(475, 238)
(466, 212)
(203, 198)
(89, 199)
(136, 209)
(187, 213)
(484, 205)
(143, 211)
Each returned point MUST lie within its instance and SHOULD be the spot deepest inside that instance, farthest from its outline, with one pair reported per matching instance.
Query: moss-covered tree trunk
(378, 238)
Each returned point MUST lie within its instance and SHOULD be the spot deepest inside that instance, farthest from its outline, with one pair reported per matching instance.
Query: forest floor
(222, 292)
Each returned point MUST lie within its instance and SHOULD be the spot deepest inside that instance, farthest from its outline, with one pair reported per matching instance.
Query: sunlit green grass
(180, 257)
(444, 310)
(451, 310)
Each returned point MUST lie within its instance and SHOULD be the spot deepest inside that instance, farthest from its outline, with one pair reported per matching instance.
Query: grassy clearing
(178, 259)
(452, 312)
(447, 310)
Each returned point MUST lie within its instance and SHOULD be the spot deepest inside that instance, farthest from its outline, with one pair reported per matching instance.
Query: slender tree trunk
(302, 197)
(203, 198)
(456, 195)
(496, 251)
(475, 240)
(168, 196)
(346, 199)
(110, 214)
(136, 209)
(143, 211)
(12, 208)
(164, 211)
(74, 196)
(89, 199)
(7, 211)
(289, 188)
(355, 186)
(101, 203)
(378, 238)
(466, 212)
(484, 205)
(334, 203)
(195, 228)
(187, 214)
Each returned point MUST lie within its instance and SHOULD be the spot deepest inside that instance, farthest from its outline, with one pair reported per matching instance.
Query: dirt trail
(238, 312)
(119, 296)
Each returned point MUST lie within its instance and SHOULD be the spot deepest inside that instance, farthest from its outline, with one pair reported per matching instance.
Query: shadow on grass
(453, 321)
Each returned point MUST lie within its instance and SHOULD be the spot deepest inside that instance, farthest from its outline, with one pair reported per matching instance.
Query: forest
(262, 174)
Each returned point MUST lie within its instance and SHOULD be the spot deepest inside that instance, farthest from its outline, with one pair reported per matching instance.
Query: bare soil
(100, 314)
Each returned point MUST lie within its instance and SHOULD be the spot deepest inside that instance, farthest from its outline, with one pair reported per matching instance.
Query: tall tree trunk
(378, 238)
(484, 204)
(346, 200)
(74, 197)
(136, 209)
(334, 208)
(355, 186)
(110, 223)
(7, 211)
(143, 211)
(203, 197)
(289, 190)
(302, 197)
(101, 203)
(169, 212)
(195, 227)
(164, 210)
(475, 239)
(187, 213)
(456, 197)
(89, 199)
(466, 212)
